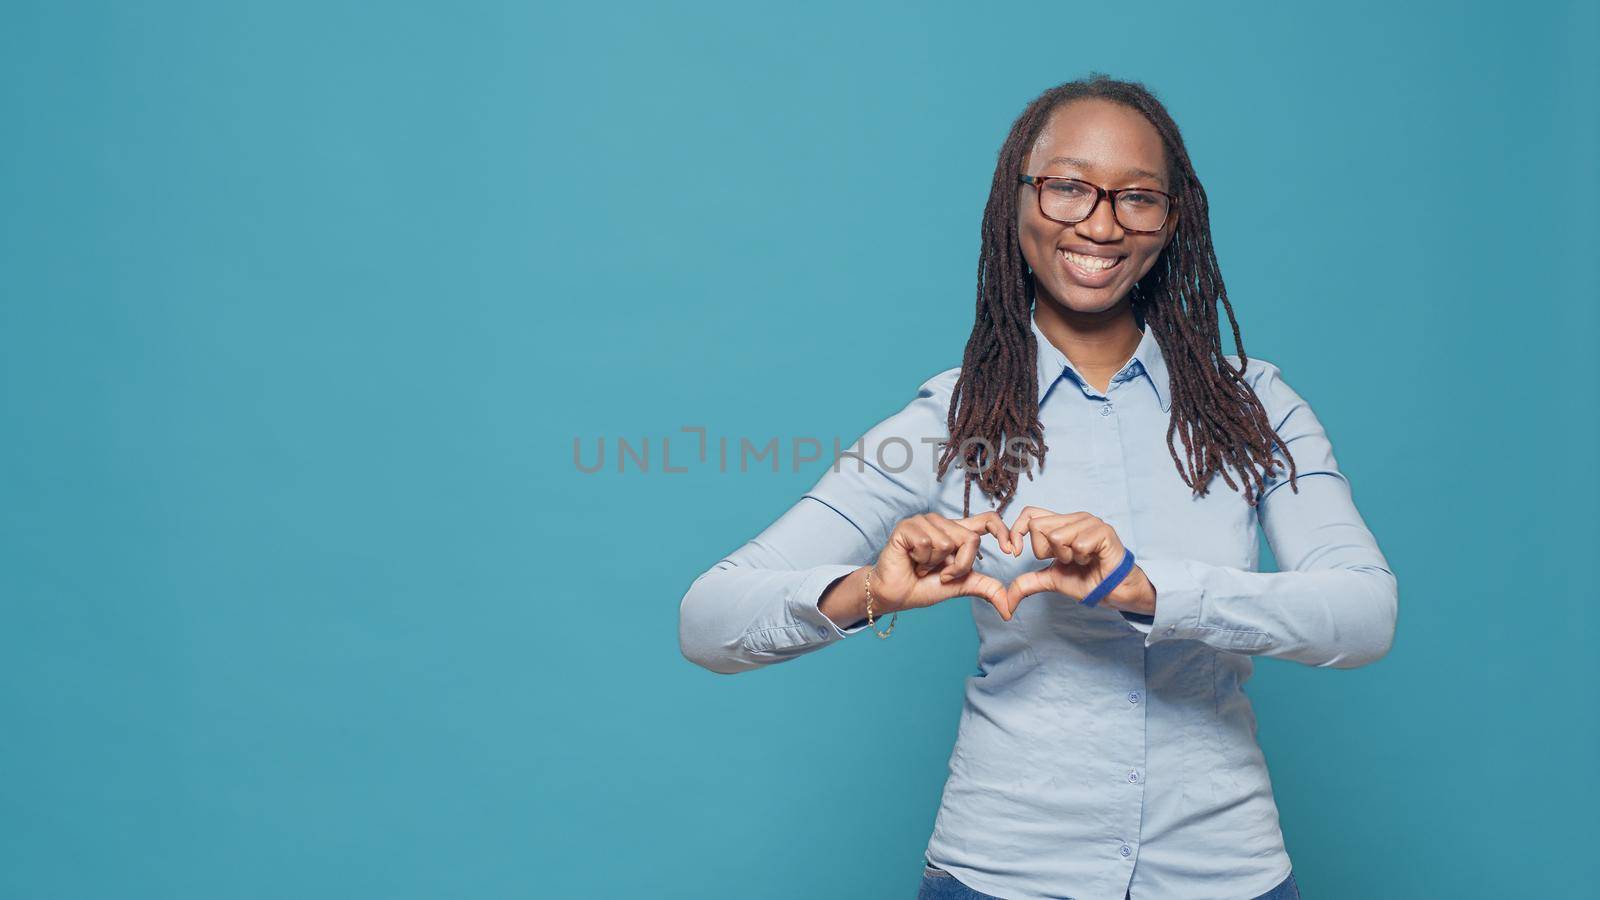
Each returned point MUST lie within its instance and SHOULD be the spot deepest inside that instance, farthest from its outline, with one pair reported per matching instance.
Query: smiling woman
(1104, 750)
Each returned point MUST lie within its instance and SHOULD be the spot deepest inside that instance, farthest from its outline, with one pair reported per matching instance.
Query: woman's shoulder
(893, 463)
(941, 384)
(1255, 369)
(1265, 378)
(925, 408)
(915, 424)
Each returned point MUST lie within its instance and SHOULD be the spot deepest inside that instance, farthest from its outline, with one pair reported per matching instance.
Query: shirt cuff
(804, 608)
(1180, 601)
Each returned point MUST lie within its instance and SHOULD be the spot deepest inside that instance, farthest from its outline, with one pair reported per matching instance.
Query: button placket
(1107, 448)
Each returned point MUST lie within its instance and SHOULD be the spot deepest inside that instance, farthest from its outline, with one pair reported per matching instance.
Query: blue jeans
(937, 884)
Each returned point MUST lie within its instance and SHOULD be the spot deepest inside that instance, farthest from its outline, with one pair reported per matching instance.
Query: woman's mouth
(1090, 271)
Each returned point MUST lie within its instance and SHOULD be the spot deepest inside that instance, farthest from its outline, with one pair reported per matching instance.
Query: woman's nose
(1101, 225)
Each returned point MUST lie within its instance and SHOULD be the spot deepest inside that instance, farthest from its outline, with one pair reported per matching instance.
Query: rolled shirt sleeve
(1335, 601)
(759, 604)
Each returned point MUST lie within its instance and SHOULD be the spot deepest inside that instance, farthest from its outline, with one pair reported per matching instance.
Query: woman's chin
(1087, 301)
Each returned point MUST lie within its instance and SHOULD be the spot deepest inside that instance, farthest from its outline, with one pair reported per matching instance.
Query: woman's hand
(1083, 550)
(928, 559)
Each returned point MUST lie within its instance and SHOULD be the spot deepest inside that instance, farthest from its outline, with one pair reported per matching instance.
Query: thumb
(984, 587)
(1026, 585)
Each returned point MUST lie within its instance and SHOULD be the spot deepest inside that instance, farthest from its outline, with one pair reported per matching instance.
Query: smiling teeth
(1091, 263)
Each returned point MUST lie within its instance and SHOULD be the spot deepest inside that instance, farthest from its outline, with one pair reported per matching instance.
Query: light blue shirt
(1097, 751)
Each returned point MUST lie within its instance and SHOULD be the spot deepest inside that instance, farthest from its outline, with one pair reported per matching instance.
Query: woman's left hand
(1084, 551)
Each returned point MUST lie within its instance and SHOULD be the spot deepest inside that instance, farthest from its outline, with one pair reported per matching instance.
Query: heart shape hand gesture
(929, 558)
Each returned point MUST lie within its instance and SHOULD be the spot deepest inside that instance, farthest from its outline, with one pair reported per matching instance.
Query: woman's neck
(1097, 343)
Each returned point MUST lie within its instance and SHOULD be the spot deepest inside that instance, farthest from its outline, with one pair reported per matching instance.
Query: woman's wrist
(1136, 594)
(845, 601)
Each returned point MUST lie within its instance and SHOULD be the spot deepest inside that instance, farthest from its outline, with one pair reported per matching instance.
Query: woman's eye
(1067, 189)
(1139, 199)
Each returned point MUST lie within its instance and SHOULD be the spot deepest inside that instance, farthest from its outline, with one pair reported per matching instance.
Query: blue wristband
(1112, 580)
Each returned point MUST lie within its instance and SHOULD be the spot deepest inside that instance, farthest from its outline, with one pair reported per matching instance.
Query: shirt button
(1133, 696)
(1105, 410)
(1126, 850)
(1133, 777)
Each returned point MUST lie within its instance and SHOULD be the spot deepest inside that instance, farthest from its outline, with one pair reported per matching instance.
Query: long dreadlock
(995, 403)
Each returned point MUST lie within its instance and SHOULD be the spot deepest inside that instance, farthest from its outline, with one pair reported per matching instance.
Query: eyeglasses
(1071, 200)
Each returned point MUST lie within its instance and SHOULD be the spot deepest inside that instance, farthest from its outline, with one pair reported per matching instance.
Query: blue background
(303, 305)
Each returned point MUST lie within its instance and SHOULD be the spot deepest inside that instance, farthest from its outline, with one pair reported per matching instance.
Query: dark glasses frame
(1039, 181)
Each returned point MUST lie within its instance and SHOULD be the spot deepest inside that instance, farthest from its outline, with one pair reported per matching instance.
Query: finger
(1041, 529)
(1069, 543)
(1093, 542)
(1021, 525)
(946, 538)
(1039, 532)
(913, 541)
(949, 565)
(931, 543)
(1092, 546)
(991, 523)
(1036, 512)
(1061, 530)
(960, 562)
(1044, 530)
(932, 548)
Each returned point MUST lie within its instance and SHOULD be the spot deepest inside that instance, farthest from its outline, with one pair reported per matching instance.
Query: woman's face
(1110, 145)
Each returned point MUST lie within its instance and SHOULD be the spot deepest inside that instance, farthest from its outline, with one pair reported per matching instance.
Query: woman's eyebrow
(1085, 164)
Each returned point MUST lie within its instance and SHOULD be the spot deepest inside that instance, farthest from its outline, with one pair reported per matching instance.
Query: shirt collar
(1147, 361)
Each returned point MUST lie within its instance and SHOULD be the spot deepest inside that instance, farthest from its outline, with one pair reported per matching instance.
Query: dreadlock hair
(995, 403)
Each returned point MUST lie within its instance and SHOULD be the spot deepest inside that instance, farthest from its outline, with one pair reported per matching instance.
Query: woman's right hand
(928, 559)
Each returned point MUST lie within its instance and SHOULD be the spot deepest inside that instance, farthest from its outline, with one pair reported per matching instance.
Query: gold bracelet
(892, 619)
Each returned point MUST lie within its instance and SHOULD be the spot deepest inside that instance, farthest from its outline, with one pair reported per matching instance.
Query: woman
(1105, 748)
